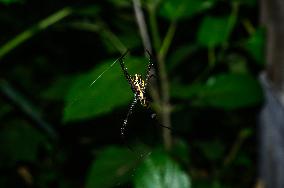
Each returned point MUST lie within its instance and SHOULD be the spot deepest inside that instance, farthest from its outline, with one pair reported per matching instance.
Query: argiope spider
(138, 87)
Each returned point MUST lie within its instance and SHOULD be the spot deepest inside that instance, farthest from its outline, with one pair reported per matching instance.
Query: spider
(138, 86)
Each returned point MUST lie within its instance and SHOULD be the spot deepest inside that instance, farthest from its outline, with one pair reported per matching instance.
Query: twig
(27, 108)
(25, 35)
(243, 135)
(103, 31)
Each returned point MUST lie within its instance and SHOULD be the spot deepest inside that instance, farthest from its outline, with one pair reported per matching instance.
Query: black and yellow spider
(138, 87)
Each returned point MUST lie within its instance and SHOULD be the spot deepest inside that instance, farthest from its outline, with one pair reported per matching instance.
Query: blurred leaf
(180, 54)
(58, 90)
(237, 64)
(110, 91)
(228, 91)
(214, 31)
(130, 39)
(175, 10)
(91, 10)
(246, 133)
(212, 150)
(242, 159)
(121, 3)
(185, 91)
(181, 151)
(231, 91)
(19, 142)
(255, 46)
(159, 171)
(113, 166)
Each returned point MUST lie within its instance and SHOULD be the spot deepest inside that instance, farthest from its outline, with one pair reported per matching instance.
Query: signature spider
(138, 87)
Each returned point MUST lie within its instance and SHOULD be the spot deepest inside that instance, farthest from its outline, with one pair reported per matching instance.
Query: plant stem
(248, 26)
(165, 104)
(243, 135)
(142, 25)
(25, 35)
(168, 40)
(165, 98)
(154, 28)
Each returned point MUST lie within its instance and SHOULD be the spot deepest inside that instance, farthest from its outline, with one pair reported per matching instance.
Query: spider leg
(122, 130)
(149, 68)
(154, 116)
(124, 69)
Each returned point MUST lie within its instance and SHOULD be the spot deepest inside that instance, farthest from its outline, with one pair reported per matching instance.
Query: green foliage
(214, 31)
(160, 171)
(231, 91)
(237, 64)
(114, 164)
(255, 46)
(19, 142)
(175, 10)
(228, 91)
(92, 10)
(59, 88)
(180, 54)
(109, 91)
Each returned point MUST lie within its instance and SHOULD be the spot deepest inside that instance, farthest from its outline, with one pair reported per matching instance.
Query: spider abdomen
(138, 86)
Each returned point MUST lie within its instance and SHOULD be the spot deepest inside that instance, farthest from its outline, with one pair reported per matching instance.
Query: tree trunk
(272, 117)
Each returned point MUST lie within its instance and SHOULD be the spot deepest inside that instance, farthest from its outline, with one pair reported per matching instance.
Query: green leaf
(214, 31)
(19, 142)
(242, 159)
(175, 10)
(236, 63)
(121, 3)
(58, 90)
(181, 151)
(180, 54)
(160, 171)
(112, 167)
(255, 46)
(230, 91)
(91, 10)
(227, 91)
(185, 91)
(110, 91)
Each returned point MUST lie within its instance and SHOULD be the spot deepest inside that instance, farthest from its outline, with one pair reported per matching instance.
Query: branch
(27, 34)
